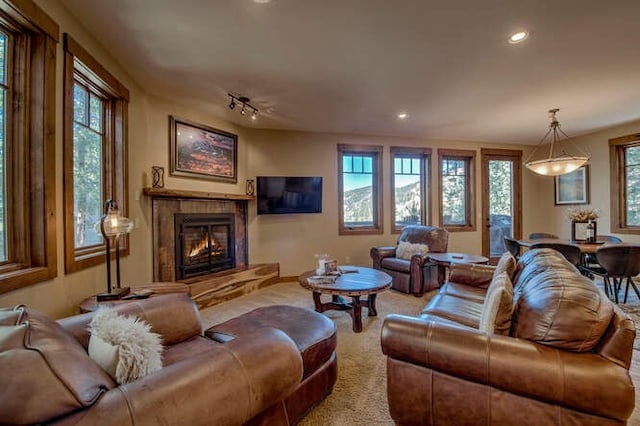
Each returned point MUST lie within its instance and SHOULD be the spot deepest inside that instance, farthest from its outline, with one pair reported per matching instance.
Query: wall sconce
(112, 225)
(246, 107)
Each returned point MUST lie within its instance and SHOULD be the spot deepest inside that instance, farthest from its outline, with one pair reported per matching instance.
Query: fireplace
(205, 243)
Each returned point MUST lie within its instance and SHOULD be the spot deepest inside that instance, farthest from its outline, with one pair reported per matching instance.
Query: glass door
(501, 200)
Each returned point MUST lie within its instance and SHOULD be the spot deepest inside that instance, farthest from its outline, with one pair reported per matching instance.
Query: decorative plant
(583, 214)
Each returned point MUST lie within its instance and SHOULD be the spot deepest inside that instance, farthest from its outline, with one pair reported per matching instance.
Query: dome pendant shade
(556, 163)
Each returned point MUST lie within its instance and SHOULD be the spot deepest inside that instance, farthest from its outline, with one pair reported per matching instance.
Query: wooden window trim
(617, 183)
(78, 63)
(469, 156)
(425, 180)
(377, 227)
(31, 148)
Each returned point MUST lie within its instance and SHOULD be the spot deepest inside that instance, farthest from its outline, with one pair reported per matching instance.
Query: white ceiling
(349, 66)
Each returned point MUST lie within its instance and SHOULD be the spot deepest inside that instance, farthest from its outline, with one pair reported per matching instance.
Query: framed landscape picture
(201, 151)
(573, 188)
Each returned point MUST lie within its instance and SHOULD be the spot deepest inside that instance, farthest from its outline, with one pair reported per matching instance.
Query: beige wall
(291, 240)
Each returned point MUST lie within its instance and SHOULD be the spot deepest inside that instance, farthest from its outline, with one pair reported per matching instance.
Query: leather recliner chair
(416, 275)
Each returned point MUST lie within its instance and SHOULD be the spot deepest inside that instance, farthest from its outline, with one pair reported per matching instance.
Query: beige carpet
(359, 396)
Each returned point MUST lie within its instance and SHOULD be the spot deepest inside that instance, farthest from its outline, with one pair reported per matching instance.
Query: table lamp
(113, 225)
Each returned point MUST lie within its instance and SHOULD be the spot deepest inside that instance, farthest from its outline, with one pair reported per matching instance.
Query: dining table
(585, 246)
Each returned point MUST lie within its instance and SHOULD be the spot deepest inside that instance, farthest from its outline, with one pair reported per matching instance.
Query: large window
(94, 154)
(625, 184)
(410, 183)
(28, 39)
(457, 205)
(360, 189)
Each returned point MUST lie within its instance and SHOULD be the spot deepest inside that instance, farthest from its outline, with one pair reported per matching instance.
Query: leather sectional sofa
(246, 373)
(564, 360)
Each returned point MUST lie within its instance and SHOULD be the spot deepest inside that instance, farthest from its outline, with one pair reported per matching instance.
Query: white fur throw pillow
(406, 250)
(124, 346)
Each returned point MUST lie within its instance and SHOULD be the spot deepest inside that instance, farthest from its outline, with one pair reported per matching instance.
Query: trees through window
(457, 207)
(625, 184)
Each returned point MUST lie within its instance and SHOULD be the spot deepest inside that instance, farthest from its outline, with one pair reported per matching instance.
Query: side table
(444, 260)
(90, 304)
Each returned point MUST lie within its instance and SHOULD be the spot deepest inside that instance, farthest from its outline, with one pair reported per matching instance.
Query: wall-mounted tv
(285, 194)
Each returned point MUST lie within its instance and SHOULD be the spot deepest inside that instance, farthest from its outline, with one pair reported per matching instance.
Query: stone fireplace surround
(166, 203)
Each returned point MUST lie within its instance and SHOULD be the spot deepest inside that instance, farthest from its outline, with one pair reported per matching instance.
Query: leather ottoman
(313, 334)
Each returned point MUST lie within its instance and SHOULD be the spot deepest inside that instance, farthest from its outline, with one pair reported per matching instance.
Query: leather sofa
(564, 359)
(254, 377)
(415, 275)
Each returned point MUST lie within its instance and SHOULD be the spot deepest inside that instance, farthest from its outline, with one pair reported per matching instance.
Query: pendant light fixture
(559, 161)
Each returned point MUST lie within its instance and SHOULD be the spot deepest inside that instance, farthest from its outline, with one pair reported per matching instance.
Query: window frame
(376, 152)
(469, 157)
(424, 154)
(617, 147)
(30, 146)
(80, 65)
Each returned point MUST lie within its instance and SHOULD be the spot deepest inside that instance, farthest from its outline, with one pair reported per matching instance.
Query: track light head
(232, 105)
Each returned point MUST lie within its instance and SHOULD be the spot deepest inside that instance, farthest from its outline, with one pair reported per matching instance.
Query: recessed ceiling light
(261, 1)
(518, 37)
(402, 115)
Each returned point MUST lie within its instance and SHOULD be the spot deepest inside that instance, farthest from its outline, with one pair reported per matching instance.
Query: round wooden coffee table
(364, 282)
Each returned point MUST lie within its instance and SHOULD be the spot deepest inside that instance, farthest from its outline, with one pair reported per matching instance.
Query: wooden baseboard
(209, 290)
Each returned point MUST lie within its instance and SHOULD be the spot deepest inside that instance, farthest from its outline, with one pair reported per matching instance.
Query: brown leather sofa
(416, 275)
(564, 361)
(253, 377)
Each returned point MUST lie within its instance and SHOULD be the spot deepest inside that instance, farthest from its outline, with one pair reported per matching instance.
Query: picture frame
(572, 188)
(202, 152)
(580, 232)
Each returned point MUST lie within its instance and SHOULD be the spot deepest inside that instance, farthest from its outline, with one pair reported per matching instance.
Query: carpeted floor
(359, 396)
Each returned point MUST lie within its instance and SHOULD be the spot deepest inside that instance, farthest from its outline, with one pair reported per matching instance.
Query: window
(360, 189)
(411, 183)
(457, 205)
(625, 184)
(28, 39)
(94, 154)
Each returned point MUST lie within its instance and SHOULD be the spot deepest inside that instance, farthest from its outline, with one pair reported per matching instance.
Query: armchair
(413, 274)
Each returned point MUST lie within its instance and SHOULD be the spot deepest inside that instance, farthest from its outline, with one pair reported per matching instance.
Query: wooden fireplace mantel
(179, 193)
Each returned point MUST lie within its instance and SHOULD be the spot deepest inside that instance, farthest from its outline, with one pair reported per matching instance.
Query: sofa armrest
(574, 380)
(471, 274)
(379, 253)
(229, 384)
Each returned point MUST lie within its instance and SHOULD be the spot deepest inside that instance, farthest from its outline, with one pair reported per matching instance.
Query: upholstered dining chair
(589, 259)
(620, 262)
(571, 252)
(512, 245)
(541, 235)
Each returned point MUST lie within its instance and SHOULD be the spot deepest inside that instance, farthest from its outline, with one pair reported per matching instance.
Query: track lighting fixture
(246, 106)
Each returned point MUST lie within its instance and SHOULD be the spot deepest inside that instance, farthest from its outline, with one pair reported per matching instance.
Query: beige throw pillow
(124, 346)
(507, 263)
(498, 306)
(406, 250)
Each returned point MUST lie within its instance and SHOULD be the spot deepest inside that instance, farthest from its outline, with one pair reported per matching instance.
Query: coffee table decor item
(355, 282)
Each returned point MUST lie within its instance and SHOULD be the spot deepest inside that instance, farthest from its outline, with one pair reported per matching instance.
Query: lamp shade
(113, 223)
(558, 161)
(556, 166)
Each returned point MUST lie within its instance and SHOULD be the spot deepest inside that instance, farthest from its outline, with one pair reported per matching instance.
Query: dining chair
(541, 235)
(589, 259)
(571, 252)
(620, 262)
(512, 245)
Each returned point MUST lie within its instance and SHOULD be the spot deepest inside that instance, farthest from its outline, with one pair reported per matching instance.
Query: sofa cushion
(507, 263)
(124, 346)
(463, 311)
(560, 308)
(498, 306)
(46, 373)
(396, 264)
(314, 334)
(406, 250)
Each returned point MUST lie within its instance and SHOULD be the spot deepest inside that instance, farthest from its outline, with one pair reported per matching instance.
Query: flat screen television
(285, 194)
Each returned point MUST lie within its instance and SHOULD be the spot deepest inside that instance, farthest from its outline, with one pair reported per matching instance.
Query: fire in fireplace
(204, 243)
